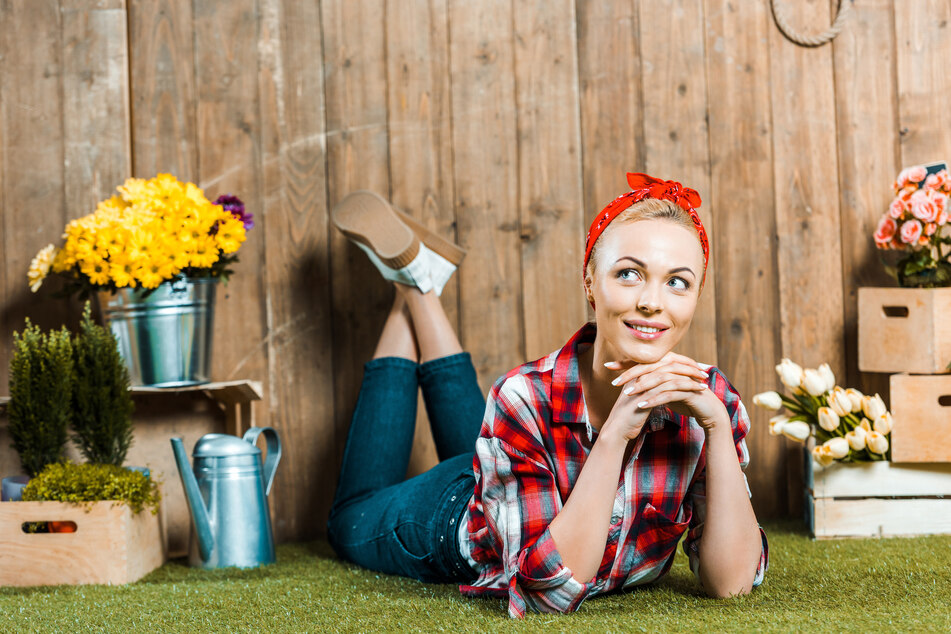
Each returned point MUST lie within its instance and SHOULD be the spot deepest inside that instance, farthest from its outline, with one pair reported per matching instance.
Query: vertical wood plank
(741, 195)
(229, 161)
(485, 163)
(300, 340)
(357, 150)
(676, 135)
(923, 50)
(549, 167)
(612, 116)
(807, 205)
(96, 124)
(31, 161)
(420, 135)
(164, 94)
(868, 143)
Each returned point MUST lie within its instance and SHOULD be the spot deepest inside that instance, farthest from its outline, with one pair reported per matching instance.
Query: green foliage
(78, 483)
(41, 375)
(102, 405)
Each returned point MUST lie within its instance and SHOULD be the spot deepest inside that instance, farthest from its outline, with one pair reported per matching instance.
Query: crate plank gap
(111, 545)
(878, 499)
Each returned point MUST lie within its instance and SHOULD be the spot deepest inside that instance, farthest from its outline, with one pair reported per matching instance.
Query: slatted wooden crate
(878, 499)
(111, 545)
(921, 408)
(904, 329)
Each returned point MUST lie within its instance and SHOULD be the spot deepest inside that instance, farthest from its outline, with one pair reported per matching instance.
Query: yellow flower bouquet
(151, 232)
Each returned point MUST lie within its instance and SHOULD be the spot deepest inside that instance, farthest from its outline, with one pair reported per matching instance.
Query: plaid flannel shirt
(534, 441)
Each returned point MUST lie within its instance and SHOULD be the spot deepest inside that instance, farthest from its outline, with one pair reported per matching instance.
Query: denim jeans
(408, 527)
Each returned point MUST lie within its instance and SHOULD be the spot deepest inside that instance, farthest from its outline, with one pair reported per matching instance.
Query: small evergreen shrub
(102, 405)
(41, 377)
(80, 483)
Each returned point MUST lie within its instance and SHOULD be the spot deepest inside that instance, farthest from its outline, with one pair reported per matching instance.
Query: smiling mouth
(645, 332)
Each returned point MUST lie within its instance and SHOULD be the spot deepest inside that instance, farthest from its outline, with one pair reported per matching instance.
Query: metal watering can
(227, 497)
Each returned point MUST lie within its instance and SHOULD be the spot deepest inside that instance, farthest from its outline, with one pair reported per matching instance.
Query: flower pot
(904, 330)
(12, 488)
(165, 336)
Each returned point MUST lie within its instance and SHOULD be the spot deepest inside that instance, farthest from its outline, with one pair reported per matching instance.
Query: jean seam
(460, 358)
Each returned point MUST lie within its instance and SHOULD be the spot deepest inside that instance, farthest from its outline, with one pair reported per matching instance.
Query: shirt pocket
(656, 539)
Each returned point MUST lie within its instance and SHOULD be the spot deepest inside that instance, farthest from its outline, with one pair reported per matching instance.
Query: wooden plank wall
(504, 125)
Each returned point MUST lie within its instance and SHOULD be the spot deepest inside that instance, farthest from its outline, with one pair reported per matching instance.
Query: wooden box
(110, 545)
(904, 329)
(878, 499)
(921, 409)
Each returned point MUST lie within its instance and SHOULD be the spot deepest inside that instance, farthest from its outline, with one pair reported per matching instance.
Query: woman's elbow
(727, 590)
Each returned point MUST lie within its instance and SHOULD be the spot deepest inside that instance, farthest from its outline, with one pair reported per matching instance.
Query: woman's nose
(648, 301)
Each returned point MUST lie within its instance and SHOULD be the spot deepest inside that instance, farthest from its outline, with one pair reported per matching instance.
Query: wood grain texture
(741, 198)
(420, 134)
(357, 153)
(676, 135)
(868, 144)
(549, 173)
(163, 89)
(486, 185)
(921, 406)
(299, 326)
(923, 50)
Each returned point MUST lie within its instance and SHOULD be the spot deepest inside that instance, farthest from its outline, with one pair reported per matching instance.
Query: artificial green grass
(885, 585)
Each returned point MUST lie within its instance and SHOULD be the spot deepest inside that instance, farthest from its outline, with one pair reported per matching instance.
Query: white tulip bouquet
(848, 426)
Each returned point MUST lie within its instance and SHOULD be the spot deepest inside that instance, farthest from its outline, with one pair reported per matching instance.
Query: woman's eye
(629, 274)
(678, 283)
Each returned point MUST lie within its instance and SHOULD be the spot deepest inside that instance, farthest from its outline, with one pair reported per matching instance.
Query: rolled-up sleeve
(697, 495)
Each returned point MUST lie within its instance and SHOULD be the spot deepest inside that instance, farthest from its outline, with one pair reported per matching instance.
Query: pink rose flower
(885, 232)
(922, 206)
(917, 173)
(896, 209)
(932, 181)
(910, 231)
(930, 228)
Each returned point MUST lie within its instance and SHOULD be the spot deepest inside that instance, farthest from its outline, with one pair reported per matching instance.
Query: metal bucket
(165, 338)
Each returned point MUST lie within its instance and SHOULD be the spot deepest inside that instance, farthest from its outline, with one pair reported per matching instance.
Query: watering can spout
(196, 504)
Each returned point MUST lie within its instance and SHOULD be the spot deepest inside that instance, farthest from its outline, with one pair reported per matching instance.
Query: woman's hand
(675, 381)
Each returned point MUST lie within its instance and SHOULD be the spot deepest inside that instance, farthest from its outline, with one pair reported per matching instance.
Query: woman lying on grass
(589, 464)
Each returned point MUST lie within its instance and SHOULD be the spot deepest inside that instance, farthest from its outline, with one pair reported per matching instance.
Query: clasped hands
(675, 381)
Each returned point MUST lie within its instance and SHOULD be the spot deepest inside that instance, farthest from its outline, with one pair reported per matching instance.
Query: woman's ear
(587, 287)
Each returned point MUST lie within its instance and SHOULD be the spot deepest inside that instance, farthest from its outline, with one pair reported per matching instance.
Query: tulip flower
(821, 454)
(826, 373)
(874, 407)
(837, 447)
(856, 397)
(856, 438)
(789, 373)
(797, 430)
(876, 442)
(828, 419)
(883, 424)
(776, 424)
(813, 382)
(839, 401)
(768, 400)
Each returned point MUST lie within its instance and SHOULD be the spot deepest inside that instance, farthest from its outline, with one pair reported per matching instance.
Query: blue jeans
(408, 527)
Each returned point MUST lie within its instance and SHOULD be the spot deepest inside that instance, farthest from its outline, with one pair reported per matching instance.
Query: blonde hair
(647, 209)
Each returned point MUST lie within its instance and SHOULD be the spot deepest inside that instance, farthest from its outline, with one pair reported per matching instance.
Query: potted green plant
(101, 403)
(39, 412)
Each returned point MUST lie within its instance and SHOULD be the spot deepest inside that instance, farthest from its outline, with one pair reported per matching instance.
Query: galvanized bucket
(165, 337)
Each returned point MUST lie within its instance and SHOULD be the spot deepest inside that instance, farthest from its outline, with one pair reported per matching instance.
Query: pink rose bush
(916, 224)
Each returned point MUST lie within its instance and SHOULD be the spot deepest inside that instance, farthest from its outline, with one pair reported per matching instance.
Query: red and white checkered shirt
(534, 440)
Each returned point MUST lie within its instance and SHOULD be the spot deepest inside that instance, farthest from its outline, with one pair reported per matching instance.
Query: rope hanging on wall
(842, 13)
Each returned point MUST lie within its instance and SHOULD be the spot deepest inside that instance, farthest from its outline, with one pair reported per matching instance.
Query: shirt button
(453, 499)
(442, 538)
(452, 521)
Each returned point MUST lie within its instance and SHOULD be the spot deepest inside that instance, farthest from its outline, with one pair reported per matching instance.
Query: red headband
(644, 186)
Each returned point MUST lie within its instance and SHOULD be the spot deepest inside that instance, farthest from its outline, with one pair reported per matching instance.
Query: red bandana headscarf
(644, 186)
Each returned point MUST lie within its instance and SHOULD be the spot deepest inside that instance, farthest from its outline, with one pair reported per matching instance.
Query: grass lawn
(867, 585)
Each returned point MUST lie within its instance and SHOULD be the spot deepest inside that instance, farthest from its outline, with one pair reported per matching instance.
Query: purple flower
(236, 207)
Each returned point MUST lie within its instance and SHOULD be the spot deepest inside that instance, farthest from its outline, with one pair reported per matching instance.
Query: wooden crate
(904, 329)
(921, 408)
(110, 545)
(878, 499)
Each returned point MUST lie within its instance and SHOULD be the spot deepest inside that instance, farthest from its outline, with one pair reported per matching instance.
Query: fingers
(672, 390)
(650, 380)
(677, 365)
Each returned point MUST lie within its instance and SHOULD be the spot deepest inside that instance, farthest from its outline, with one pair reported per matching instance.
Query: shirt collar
(567, 398)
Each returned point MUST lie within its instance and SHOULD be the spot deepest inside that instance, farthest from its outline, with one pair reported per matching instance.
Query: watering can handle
(273, 452)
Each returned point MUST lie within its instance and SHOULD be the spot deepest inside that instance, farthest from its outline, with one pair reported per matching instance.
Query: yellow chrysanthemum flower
(149, 274)
(122, 271)
(230, 235)
(40, 267)
(96, 270)
(205, 253)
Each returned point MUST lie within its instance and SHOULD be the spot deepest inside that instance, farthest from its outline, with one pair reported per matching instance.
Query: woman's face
(645, 288)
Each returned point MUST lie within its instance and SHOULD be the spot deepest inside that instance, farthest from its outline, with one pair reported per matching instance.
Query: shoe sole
(367, 218)
(435, 242)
